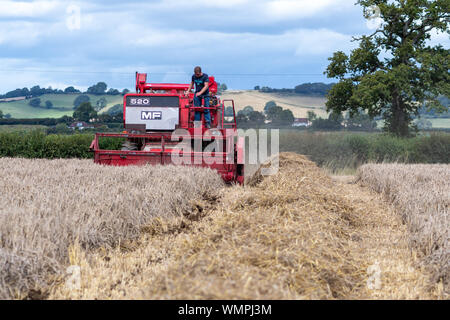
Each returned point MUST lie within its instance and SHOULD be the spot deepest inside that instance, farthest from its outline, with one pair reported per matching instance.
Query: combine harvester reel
(160, 129)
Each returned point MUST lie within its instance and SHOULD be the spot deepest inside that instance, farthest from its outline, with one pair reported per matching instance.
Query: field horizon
(297, 103)
(63, 103)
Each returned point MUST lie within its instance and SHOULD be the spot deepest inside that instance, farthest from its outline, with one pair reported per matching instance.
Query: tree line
(359, 121)
(97, 89)
(318, 89)
(275, 116)
(272, 115)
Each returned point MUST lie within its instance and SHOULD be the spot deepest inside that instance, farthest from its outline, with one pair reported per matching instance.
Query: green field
(20, 127)
(438, 123)
(337, 151)
(62, 105)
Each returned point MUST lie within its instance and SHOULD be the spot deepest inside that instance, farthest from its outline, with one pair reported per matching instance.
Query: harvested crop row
(49, 205)
(422, 195)
(294, 235)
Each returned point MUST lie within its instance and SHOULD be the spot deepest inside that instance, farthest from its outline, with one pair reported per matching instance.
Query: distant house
(81, 125)
(301, 122)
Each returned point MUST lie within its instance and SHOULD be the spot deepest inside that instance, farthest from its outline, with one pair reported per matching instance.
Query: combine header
(160, 129)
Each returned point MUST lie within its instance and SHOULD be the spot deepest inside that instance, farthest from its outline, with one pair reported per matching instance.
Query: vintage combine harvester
(160, 129)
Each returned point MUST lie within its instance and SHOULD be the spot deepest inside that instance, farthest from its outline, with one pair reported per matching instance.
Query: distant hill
(317, 89)
(299, 105)
(62, 104)
(55, 103)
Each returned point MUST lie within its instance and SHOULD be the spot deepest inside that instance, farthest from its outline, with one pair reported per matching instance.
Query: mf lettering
(151, 115)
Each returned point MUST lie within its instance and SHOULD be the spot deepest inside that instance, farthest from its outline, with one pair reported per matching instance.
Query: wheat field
(297, 234)
(50, 205)
(299, 105)
(180, 233)
(421, 194)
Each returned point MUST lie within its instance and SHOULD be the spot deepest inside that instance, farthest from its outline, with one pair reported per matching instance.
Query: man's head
(198, 71)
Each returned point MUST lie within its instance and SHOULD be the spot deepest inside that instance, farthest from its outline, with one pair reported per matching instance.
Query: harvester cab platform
(159, 128)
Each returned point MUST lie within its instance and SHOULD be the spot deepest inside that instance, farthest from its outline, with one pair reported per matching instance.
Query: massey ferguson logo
(151, 115)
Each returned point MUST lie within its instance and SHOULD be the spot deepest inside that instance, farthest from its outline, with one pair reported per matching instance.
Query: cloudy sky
(278, 43)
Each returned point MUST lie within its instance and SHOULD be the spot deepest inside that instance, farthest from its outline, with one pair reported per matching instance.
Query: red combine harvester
(160, 129)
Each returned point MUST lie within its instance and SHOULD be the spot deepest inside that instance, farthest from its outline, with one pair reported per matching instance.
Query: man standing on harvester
(201, 82)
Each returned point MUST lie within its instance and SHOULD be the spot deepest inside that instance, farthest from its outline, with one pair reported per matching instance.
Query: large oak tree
(395, 70)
